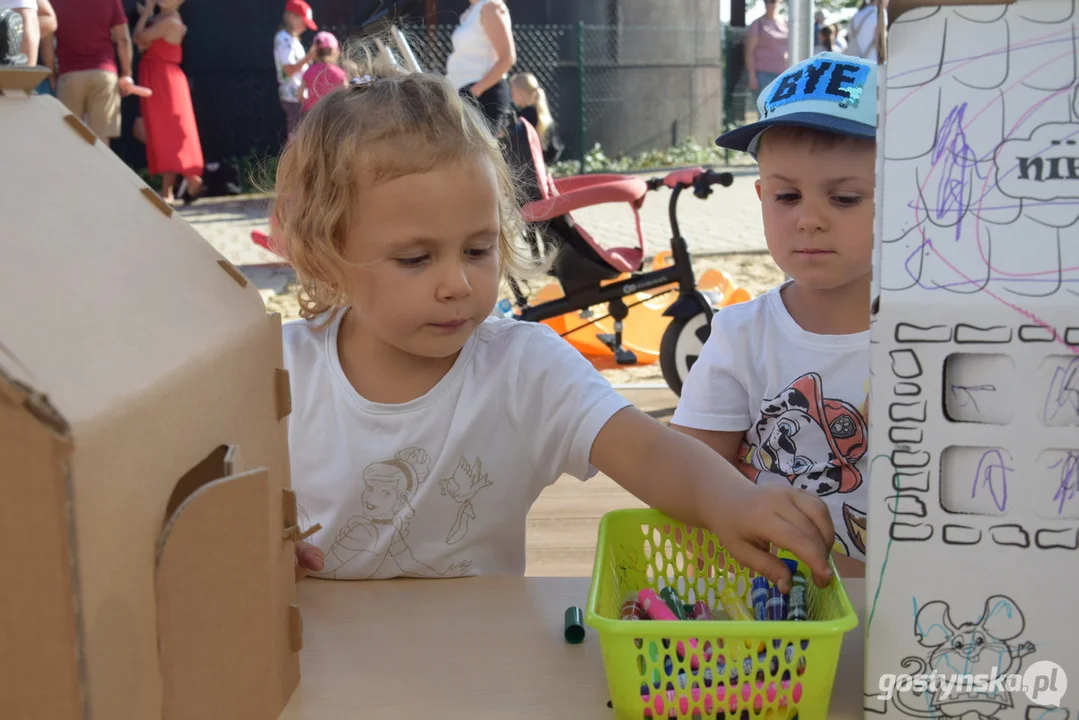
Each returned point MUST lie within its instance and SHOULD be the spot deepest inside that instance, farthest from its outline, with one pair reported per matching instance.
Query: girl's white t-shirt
(802, 400)
(439, 486)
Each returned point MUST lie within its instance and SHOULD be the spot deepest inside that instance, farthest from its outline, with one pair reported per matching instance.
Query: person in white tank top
(483, 53)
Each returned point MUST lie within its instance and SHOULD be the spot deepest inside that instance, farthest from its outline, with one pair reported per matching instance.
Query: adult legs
(292, 115)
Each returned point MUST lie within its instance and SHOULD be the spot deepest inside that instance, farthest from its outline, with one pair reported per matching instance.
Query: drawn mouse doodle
(982, 647)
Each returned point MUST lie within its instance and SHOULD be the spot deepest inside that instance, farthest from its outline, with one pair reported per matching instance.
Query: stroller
(590, 275)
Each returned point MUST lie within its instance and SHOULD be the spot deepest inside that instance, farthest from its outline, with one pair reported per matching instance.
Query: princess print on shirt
(379, 535)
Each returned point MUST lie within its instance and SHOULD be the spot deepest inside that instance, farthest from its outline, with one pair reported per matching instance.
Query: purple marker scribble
(1069, 479)
(957, 160)
(1063, 395)
(992, 473)
(927, 242)
(969, 391)
(1016, 206)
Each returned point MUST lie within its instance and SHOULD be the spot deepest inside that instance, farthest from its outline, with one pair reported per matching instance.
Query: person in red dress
(172, 136)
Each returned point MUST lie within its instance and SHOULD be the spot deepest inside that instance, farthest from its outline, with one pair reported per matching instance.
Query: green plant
(688, 153)
(257, 171)
(835, 5)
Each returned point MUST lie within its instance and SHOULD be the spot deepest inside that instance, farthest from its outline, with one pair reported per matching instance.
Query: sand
(756, 272)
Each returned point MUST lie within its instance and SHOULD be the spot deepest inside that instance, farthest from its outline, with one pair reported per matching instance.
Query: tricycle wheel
(681, 345)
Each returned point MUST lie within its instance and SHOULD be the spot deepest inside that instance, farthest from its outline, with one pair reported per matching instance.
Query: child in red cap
(326, 74)
(290, 60)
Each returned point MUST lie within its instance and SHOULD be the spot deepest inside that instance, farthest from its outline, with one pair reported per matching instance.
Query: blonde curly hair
(387, 123)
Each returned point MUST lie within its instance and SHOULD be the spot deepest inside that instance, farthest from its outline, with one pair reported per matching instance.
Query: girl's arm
(688, 481)
(495, 21)
(725, 443)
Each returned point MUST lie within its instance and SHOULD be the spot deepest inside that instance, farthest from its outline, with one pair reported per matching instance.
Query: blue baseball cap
(829, 91)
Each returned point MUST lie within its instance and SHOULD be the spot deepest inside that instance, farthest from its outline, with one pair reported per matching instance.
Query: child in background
(325, 74)
(290, 60)
(422, 430)
(781, 385)
(531, 102)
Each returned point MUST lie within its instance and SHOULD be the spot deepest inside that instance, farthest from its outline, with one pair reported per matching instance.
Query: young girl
(325, 75)
(422, 430)
(531, 102)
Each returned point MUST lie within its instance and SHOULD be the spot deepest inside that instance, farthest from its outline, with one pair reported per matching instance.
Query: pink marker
(655, 608)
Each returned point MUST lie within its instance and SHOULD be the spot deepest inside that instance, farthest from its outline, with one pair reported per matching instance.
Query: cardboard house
(143, 451)
(974, 405)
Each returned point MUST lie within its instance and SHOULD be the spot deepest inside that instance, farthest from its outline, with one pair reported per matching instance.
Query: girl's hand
(308, 557)
(753, 517)
(691, 482)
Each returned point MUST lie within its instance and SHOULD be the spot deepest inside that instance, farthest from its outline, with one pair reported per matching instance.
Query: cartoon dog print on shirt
(813, 441)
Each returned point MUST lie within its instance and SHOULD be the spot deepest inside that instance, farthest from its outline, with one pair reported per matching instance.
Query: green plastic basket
(726, 669)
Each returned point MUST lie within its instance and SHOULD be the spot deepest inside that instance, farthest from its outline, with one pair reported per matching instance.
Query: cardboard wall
(39, 634)
(155, 353)
(974, 405)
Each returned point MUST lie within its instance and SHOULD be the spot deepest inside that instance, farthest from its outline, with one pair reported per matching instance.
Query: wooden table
(485, 647)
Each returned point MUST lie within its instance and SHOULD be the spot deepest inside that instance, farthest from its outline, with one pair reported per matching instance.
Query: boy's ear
(757, 185)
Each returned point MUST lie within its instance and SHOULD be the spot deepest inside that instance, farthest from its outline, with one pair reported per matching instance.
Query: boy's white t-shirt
(439, 486)
(802, 400)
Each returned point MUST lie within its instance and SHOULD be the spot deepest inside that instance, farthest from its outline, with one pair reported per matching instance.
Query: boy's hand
(753, 517)
(308, 557)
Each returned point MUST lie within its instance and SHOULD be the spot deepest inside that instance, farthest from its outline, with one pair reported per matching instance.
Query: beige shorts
(94, 97)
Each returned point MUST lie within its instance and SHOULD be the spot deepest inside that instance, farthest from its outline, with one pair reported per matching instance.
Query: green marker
(673, 602)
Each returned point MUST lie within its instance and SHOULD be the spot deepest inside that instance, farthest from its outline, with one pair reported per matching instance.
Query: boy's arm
(715, 406)
(685, 479)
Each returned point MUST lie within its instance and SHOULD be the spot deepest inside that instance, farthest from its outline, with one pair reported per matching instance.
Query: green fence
(646, 95)
(629, 89)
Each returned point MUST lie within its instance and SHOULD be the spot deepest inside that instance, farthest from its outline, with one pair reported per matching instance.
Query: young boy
(781, 386)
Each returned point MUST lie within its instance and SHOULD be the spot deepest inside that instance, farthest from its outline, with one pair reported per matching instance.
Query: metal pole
(405, 49)
(800, 40)
(581, 126)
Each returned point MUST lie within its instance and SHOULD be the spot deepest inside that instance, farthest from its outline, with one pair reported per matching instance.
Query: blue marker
(759, 596)
(774, 605)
